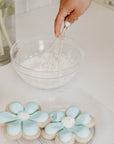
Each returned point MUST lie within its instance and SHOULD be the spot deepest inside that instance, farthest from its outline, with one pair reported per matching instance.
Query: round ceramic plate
(62, 99)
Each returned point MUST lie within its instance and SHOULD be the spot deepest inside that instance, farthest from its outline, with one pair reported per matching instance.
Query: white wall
(26, 5)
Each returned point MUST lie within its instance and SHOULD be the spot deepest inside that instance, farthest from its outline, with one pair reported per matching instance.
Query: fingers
(72, 17)
(63, 15)
(59, 20)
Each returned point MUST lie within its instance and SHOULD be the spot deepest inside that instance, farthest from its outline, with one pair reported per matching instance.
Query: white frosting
(23, 116)
(68, 122)
(47, 63)
(46, 80)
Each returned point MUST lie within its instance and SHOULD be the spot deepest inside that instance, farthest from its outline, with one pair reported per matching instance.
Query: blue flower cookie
(26, 122)
(69, 127)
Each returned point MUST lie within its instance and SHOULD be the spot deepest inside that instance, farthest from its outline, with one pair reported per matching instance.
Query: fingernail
(57, 34)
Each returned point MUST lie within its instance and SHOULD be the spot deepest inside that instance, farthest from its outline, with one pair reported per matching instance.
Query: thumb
(59, 20)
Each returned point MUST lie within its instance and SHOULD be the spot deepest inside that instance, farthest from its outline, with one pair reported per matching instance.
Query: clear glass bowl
(27, 50)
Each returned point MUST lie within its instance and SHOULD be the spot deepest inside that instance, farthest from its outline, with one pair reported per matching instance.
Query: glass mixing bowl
(23, 53)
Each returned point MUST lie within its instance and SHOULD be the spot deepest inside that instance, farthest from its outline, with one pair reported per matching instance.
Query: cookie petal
(81, 131)
(15, 107)
(39, 116)
(14, 129)
(73, 111)
(56, 116)
(6, 117)
(31, 107)
(30, 128)
(65, 136)
(83, 119)
(53, 128)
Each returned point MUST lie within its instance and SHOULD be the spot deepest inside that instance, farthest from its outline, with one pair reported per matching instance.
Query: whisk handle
(67, 24)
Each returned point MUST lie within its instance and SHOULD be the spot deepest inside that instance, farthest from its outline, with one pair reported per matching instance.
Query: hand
(70, 10)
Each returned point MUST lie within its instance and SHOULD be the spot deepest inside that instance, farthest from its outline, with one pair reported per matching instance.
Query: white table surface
(95, 33)
(93, 89)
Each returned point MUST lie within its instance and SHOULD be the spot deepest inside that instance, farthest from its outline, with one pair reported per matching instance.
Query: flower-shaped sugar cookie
(23, 122)
(66, 128)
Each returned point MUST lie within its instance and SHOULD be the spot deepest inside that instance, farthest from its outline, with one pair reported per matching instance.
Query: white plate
(59, 99)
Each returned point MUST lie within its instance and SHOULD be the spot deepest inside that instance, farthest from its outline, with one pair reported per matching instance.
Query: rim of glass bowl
(43, 72)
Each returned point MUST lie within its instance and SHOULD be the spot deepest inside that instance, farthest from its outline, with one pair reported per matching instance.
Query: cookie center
(68, 122)
(23, 116)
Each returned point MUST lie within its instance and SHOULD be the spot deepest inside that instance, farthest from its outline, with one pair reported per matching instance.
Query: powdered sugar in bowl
(29, 58)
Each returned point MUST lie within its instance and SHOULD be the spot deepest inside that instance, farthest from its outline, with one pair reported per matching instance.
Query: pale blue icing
(65, 136)
(81, 131)
(53, 128)
(73, 111)
(14, 129)
(56, 116)
(6, 117)
(83, 118)
(31, 107)
(39, 116)
(30, 128)
(16, 107)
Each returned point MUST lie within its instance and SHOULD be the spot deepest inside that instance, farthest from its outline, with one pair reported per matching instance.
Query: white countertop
(95, 33)
(95, 81)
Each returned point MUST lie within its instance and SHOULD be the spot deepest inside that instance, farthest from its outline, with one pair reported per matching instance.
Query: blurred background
(26, 5)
